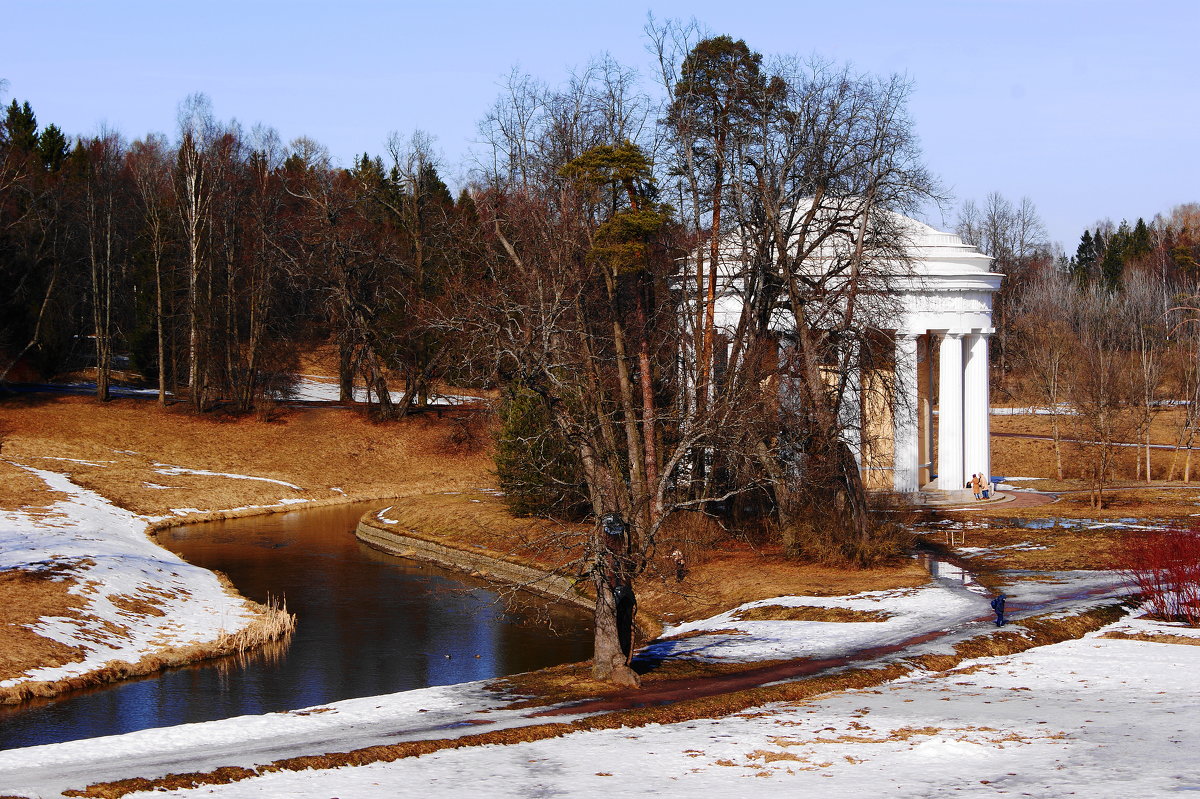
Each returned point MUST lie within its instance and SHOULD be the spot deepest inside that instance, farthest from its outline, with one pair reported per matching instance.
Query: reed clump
(271, 623)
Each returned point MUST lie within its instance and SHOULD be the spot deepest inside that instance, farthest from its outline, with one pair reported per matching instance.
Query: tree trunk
(609, 662)
(1148, 475)
(346, 369)
(158, 318)
(1058, 463)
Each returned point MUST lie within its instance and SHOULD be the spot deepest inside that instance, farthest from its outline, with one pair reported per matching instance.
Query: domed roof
(934, 248)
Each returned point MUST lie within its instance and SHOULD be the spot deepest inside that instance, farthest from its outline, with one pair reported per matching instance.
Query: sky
(1088, 107)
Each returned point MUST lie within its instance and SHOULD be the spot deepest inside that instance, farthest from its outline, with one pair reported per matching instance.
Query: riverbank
(122, 605)
(90, 598)
(471, 530)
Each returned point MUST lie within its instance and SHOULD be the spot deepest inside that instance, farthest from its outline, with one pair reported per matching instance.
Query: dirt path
(677, 690)
(1028, 499)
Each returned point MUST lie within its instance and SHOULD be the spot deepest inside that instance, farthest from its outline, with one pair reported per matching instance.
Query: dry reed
(270, 622)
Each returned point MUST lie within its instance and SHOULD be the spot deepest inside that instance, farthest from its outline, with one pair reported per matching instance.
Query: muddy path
(665, 693)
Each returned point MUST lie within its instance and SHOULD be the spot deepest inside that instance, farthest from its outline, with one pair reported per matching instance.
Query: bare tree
(106, 243)
(150, 166)
(1104, 390)
(193, 192)
(827, 169)
(1183, 370)
(1144, 304)
(1044, 327)
(1013, 234)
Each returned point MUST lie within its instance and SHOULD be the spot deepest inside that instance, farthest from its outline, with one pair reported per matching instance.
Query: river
(368, 623)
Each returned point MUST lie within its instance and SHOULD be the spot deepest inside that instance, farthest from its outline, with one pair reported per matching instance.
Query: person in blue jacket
(998, 606)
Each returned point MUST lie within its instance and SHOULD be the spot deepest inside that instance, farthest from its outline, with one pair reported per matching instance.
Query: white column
(977, 408)
(904, 416)
(850, 411)
(928, 458)
(950, 413)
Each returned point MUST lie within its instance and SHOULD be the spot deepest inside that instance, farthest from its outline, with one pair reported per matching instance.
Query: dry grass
(1154, 638)
(743, 574)
(1031, 458)
(572, 682)
(317, 449)
(1063, 549)
(809, 613)
(27, 596)
(270, 623)
(475, 519)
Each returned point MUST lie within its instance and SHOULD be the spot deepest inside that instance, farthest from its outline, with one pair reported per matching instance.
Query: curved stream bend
(368, 624)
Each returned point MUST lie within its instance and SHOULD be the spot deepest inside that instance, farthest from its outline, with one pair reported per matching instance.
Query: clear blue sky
(1092, 109)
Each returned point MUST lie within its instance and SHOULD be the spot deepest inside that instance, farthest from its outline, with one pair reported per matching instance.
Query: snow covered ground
(1099, 717)
(909, 612)
(902, 738)
(310, 388)
(114, 565)
(1094, 717)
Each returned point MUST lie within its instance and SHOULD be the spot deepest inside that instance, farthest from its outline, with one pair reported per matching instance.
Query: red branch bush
(1165, 568)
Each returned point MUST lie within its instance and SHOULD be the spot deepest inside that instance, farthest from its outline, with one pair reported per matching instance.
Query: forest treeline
(205, 263)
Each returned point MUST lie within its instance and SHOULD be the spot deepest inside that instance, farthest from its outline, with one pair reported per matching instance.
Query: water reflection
(949, 570)
(368, 624)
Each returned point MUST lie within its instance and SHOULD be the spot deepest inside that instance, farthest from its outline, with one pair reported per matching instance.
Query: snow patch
(164, 468)
(106, 550)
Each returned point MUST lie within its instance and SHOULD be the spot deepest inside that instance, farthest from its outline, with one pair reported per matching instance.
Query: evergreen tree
(52, 147)
(1084, 263)
(1112, 264)
(20, 126)
(538, 469)
(1139, 242)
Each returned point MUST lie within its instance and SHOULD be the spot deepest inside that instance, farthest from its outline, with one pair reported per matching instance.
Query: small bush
(694, 533)
(827, 535)
(538, 469)
(1164, 566)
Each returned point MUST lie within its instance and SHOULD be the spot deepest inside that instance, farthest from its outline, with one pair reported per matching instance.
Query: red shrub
(1165, 568)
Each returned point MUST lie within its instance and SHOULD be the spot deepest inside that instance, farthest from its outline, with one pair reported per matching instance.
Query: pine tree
(52, 147)
(20, 125)
(1084, 263)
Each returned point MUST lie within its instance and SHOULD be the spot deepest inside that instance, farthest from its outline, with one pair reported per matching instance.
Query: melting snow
(176, 470)
(108, 552)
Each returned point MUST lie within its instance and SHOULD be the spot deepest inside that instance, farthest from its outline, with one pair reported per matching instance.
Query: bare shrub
(693, 533)
(1165, 568)
(886, 537)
